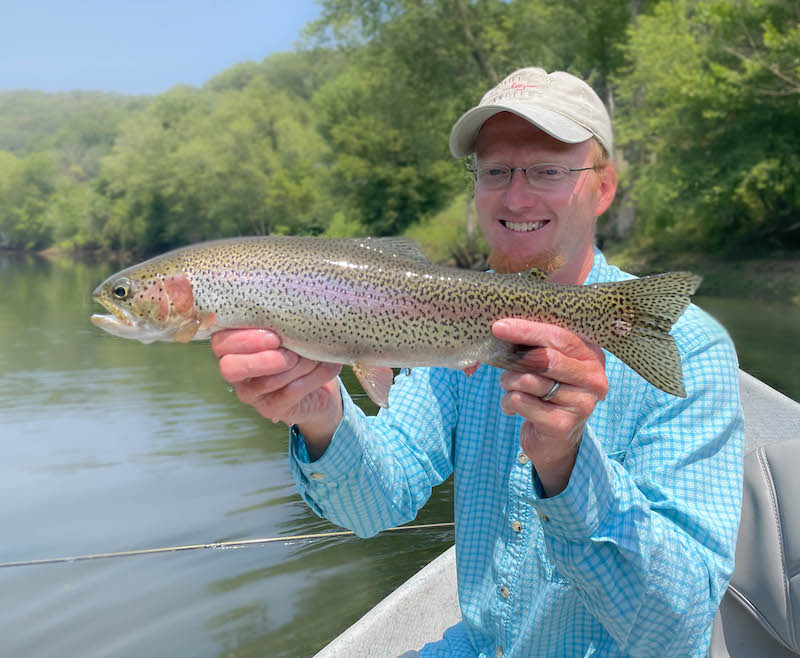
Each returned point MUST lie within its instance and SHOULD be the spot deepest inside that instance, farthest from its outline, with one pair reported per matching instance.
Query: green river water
(110, 445)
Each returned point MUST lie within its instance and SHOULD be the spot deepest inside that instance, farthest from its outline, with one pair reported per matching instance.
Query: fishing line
(241, 543)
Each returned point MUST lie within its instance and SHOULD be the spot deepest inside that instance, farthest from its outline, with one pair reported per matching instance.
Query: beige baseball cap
(559, 103)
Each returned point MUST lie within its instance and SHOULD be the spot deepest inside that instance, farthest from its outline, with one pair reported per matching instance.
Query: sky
(139, 46)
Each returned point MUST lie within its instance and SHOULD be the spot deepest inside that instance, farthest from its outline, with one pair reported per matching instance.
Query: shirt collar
(600, 269)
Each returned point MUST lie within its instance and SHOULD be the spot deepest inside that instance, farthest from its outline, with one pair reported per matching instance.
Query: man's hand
(552, 430)
(281, 385)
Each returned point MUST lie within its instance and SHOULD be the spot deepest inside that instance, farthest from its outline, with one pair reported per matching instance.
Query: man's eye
(494, 172)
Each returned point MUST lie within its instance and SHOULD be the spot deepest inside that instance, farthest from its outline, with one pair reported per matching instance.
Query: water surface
(110, 445)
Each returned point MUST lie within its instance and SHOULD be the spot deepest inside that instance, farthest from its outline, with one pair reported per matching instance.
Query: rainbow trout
(378, 303)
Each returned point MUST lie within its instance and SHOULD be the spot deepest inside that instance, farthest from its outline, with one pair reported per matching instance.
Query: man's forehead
(506, 131)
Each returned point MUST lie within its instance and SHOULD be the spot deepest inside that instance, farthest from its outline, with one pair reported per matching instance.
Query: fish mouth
(524, 227)
(119, 315)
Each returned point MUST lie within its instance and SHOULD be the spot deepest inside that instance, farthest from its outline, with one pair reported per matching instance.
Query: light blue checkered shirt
(631, 558)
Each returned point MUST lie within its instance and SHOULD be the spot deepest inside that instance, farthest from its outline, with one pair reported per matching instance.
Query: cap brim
(465, 132)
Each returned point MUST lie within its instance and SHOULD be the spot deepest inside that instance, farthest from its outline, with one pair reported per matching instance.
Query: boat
(759, 616)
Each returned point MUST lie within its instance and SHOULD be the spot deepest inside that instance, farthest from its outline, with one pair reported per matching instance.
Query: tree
(199, 164)
(416, 66)
(26, 185)
(710, 105)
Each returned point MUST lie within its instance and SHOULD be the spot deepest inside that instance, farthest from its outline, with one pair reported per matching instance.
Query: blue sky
(139, 46)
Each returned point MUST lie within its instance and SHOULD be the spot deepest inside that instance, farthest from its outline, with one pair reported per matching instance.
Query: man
(595, 514)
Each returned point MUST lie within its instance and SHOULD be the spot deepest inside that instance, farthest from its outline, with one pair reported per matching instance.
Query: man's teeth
(524, 226)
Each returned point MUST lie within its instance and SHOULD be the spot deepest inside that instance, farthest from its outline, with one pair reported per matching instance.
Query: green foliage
(446, 238)
(200, 164)
(414, 67)
(80, 126)
(348, 135)
(26, 186)
(708, 109)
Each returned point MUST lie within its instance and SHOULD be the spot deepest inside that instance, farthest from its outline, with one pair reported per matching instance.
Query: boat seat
(759, 616)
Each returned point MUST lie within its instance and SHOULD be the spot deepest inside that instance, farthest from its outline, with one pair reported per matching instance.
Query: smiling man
(595, 514)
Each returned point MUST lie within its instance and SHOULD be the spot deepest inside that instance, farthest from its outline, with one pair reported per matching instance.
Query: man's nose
(519, 193)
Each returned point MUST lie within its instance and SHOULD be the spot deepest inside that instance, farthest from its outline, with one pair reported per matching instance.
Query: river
(109, 445)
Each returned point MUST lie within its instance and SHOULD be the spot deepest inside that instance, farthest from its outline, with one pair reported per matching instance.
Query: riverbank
(84, 255)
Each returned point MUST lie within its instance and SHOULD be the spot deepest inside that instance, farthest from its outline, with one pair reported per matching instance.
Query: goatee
(548, 261)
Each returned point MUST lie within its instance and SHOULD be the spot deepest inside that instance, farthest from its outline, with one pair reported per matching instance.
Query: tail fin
(635, 318)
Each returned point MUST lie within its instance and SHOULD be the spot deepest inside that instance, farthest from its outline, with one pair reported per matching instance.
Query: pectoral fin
(376, 382)
(187, 330)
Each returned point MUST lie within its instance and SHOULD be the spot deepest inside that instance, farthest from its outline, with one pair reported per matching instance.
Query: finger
(559, 416)
(587, 374)
(526, 332)
(243, 341)
(534, 384)
(318, 377)
(548, 418)
(280, 403)
(250, 390)
(526, 390)
(238, 367)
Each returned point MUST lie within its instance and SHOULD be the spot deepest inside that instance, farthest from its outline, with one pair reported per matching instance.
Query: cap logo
(519, 87)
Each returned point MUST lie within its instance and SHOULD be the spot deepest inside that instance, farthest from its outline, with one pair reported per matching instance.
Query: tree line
(348, 134)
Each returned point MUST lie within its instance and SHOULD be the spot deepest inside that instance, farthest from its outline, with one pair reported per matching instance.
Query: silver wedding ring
(549, 395)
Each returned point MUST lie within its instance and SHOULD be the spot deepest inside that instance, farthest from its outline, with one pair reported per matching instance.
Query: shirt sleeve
(648, 541)
(379, 471)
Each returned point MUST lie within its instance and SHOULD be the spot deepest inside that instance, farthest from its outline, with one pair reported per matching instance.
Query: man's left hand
(552, 430)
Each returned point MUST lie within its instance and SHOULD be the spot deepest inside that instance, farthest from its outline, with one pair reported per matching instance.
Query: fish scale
(377, 303)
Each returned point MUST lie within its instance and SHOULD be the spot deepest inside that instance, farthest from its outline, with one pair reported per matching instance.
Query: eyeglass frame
(472, 167)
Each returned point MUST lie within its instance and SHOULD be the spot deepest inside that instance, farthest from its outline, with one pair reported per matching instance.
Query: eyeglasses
(545, 176)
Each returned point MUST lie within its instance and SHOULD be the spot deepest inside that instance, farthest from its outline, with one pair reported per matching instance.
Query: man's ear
(607, 189)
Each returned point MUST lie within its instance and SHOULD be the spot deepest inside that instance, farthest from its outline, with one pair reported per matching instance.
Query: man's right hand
(281, 385)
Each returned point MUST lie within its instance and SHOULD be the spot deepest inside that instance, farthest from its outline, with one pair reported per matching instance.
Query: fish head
(145, 304)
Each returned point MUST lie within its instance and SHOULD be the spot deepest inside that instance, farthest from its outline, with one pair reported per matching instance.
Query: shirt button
(504, 592)
(317, 476)
(522, 458)
(543, 517)
(516, 526)
(499, 652)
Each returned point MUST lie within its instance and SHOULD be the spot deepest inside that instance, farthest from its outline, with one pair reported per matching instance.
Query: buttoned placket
(519, 485)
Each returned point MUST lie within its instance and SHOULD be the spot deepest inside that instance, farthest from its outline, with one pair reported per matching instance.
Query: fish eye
(121, 289)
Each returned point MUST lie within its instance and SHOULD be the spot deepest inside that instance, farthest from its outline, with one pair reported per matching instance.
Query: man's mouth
(524, 227)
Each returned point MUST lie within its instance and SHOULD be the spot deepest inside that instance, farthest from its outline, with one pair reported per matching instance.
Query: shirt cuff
(342, 455)
(577, 512)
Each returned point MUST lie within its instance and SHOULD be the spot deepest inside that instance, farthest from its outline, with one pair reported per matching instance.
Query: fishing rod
(241, 543)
